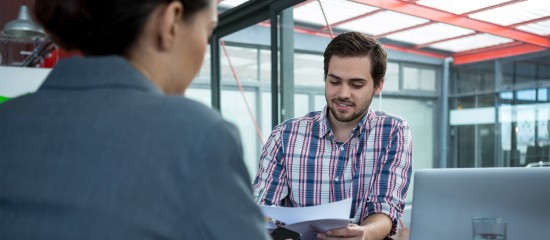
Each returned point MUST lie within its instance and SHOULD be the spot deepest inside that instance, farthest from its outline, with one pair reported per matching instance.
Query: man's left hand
(352, 231)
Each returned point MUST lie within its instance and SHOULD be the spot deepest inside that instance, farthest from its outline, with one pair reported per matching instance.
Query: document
(308, 221)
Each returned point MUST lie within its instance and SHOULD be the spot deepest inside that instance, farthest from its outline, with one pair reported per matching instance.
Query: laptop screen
(446, 200)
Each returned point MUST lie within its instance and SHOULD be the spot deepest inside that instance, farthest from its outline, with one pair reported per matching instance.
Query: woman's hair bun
(67, 22)
(101, 27)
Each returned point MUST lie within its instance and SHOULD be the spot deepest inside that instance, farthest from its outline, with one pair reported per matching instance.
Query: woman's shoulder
(187, 111)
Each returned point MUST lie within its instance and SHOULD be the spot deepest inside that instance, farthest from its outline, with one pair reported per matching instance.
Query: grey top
(98, 152)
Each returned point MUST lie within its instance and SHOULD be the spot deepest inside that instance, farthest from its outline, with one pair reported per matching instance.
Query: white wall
(16, 81)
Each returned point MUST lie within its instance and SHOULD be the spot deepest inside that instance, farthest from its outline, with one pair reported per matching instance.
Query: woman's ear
(169, 24)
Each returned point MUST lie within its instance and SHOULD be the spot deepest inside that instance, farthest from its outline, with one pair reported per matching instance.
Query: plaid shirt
(302, 164)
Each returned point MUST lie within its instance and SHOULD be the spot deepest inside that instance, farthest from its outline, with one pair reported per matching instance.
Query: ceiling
(467, 30)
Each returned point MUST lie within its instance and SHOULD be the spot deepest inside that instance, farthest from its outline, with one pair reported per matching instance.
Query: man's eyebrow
(334, 76)
(358, 80)
(351, 79)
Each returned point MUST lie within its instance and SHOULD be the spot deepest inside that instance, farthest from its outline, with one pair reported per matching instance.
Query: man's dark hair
(354, 44)
(102, 27)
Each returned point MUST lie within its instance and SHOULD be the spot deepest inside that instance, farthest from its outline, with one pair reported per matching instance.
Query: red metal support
(404, 29)
(458, 20)
(386, 46)
(492, 7)
(494, 53)
(529, 22)
(471, 34)
(354, 18)
(444, 40)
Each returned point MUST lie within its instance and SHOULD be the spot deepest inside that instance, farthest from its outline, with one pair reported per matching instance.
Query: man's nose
(344, 91)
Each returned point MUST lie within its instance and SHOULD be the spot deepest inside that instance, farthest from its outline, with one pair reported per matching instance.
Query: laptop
(446, 200)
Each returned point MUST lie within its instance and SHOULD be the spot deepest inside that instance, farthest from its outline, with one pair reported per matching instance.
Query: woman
(100, 152)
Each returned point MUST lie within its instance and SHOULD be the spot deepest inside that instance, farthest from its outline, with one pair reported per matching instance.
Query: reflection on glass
(391, 80)
(320, 102)
(201, 95)
(529, 94)
(308, 69)
(301, 105)
(418, 79)
(235, 112)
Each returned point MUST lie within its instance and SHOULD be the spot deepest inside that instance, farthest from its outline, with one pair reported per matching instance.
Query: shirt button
(337, 179)
(342, 148)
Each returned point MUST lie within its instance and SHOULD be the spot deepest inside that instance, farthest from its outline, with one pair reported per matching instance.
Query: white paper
(310, 220)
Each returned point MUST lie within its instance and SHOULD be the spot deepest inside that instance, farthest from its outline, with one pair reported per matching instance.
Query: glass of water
(485, 228)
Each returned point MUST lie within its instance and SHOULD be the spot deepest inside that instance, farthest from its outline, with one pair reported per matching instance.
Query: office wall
(500, 112)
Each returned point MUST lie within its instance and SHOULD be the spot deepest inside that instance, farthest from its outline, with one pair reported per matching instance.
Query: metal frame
(458, 20)
(238, 18)
(530, 42)
(499, 156)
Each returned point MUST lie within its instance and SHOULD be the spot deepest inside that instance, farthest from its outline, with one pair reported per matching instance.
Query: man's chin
(346, 118)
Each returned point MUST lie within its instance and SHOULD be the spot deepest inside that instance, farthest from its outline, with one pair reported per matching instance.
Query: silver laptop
(446, 200)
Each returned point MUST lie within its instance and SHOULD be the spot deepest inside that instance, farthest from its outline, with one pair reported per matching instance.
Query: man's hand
(351, 232)
(375, 227)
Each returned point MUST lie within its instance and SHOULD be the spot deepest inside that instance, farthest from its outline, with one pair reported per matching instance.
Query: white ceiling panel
(429, 33)
(540, 28)
(336, 11)
(471, 42)
(382, 22)
(459, 7)
(515, 13)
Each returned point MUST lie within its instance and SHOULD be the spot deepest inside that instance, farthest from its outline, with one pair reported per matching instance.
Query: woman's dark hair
(354, 44)
(101, 27)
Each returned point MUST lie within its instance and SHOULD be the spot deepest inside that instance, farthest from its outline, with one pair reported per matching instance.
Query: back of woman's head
(102, 27)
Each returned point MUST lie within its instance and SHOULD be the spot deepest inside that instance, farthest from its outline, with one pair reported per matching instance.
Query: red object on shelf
(50, 59)
(67, 54)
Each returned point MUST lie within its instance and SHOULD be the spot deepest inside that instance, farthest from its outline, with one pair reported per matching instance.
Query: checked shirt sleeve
(391, 181)
(270, 184)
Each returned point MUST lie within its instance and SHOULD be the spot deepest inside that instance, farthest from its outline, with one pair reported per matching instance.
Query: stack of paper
(308, 221)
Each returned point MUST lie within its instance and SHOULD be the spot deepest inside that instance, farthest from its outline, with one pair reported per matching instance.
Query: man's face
(349, 88)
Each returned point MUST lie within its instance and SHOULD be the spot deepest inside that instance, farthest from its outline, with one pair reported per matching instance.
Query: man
(345, 151)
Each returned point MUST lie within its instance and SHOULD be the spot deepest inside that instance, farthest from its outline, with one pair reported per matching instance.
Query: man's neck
(342, 130)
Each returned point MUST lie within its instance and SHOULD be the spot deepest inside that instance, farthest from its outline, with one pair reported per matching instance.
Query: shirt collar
(98, 72)
(361, 126)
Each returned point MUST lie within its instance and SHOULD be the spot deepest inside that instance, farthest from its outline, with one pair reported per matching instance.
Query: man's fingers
(338, 232)
(350, 232)
(322, 236)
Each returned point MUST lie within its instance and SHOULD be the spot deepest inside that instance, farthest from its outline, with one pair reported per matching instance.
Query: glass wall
(309, 96)
(503, 121)
(410, 89)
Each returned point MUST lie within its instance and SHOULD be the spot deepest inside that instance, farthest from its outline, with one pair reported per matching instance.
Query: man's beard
(343, 117)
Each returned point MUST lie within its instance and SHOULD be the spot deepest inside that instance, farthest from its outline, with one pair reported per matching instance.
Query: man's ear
(169, 24)
(378, 88)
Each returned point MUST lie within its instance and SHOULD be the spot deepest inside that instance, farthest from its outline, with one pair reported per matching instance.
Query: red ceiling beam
(386, 46)
(354, 18)
(444, 40)
(404, 29)
(463, 14)
(489, 48)
(491, 7)
(413, 51)
(471, 34)
(530, 21)
(457, 20)
(501, 52)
